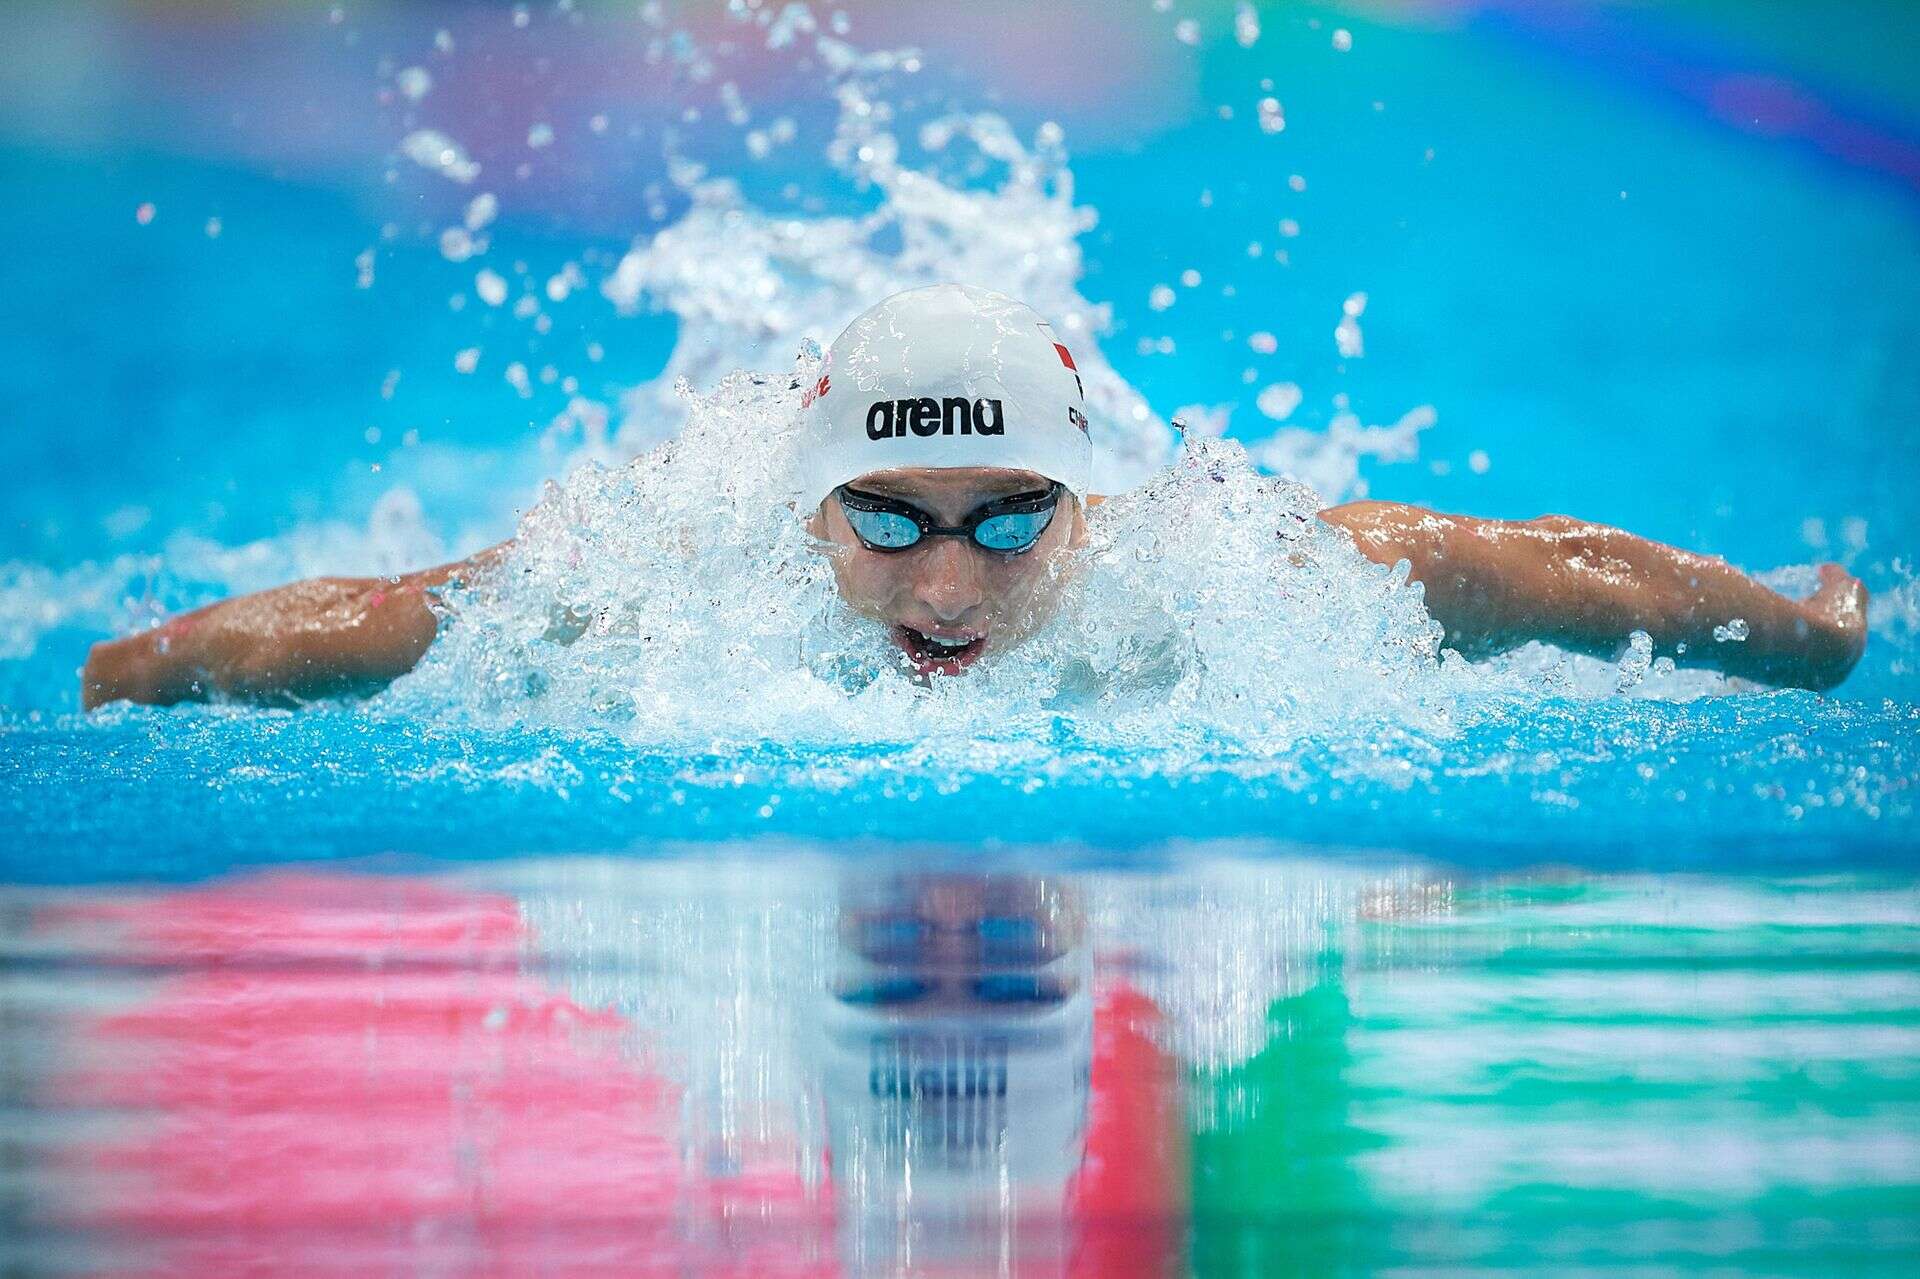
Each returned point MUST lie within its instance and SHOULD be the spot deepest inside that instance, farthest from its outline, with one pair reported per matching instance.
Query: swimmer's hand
(327, 637)
(1496, 584)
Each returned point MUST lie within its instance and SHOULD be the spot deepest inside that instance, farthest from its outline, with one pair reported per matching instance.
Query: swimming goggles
(1009, 526)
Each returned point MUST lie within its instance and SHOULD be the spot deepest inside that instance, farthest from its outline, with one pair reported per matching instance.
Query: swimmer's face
(945, 600)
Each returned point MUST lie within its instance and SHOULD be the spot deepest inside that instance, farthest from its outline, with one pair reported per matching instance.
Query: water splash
(678, 600)
(748, 286)
(1240, 615)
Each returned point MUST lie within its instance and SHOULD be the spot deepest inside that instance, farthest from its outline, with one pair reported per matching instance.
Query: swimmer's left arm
(1496, 584)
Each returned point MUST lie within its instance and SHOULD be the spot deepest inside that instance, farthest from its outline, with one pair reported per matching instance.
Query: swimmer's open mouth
(943, 655)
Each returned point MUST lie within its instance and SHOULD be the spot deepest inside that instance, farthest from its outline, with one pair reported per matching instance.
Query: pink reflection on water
(355, 1076)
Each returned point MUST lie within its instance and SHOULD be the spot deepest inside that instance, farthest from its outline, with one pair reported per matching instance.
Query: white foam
(677, 601)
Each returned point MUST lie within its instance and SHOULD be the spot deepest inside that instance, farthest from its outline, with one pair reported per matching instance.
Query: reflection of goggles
(1009, 526)
(997, 990)
(1004, 936)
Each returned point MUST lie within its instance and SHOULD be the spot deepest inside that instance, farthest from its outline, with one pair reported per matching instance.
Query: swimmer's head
(945, 458)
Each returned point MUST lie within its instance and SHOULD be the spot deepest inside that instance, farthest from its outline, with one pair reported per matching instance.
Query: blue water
(1619, 304)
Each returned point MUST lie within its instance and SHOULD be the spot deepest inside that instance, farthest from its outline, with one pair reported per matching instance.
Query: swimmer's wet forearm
(1495, 585)
(320, 638)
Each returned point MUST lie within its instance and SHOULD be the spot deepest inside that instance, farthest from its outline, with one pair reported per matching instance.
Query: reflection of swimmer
(955, 1060)
(945, 468)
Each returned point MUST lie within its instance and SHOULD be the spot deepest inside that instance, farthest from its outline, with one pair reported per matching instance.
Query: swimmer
(946, 470)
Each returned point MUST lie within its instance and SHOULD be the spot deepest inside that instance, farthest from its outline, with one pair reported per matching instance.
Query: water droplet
(491, 287)
(1279, 400)
(1246, 24)
(414, 83)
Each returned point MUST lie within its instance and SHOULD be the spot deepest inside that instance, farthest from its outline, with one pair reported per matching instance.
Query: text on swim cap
(954, 415)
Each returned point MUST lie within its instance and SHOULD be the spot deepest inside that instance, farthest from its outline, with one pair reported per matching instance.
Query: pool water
(1368, 959)
(1242, 1061)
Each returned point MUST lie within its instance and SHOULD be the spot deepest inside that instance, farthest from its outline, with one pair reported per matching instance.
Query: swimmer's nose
(947, 581)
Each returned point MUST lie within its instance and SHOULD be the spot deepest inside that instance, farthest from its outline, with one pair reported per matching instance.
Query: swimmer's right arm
(321, 638)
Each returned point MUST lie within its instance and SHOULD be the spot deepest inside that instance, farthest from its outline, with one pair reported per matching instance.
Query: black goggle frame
(1019, 504)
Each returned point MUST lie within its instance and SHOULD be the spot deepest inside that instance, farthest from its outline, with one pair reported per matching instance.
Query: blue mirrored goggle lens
(886, 993)
(882, 528)
(1016, 988)
(1013, 532)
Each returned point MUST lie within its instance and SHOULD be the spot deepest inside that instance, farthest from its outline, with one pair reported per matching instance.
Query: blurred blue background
(1660, 264)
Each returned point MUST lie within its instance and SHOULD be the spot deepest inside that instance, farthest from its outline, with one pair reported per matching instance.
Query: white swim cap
(943, 376)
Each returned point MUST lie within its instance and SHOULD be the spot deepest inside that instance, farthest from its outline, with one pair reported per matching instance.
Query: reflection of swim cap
(944, 376)
(944, 1098)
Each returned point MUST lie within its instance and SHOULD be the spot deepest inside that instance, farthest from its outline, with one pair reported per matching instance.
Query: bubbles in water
(1272, 119)
(1734, 632)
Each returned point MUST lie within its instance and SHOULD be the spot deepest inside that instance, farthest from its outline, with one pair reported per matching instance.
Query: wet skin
(1491, 584)
(949, 588)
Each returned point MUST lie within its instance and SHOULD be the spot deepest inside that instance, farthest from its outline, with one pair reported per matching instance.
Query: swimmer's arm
(1496, 584)
(319, 638)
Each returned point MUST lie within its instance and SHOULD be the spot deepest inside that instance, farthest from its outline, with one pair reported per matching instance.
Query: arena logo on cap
(926, 416)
